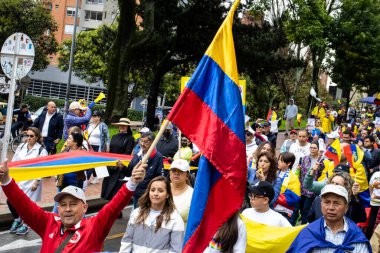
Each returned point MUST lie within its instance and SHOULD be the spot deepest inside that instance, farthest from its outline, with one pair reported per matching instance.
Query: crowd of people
(299, 184)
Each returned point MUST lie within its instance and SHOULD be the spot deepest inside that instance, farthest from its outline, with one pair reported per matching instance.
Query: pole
(158, 137)
(71, 61)
(11, 101)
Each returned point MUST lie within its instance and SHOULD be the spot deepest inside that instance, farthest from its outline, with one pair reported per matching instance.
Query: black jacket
(55, 125)
(155, 169)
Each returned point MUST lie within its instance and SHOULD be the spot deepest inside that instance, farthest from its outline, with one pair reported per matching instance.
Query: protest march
(211, 179)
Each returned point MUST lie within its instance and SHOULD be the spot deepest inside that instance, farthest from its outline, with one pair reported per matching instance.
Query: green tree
(355, 42)
(90, 55)
(34, 19)
(309, 24)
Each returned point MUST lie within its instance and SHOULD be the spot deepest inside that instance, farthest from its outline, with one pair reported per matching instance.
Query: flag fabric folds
(67, 162)
(355, 157)
(290, 193)
(62, 163)
(209, 112)
(262, 238)
(333, 152)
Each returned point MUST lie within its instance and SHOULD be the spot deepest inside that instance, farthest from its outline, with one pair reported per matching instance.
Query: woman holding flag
(32, 148)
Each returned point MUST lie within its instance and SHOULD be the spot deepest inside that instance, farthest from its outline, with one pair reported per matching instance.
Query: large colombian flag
(210, 113)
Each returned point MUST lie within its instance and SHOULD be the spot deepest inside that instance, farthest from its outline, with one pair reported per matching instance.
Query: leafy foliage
(356, 43)
(91, 54)
(34, 19)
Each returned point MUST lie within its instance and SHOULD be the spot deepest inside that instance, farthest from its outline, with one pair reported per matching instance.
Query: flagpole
(158, 137)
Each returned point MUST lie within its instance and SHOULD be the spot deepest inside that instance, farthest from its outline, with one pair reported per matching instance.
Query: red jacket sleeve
(103, 222)
(30, 212)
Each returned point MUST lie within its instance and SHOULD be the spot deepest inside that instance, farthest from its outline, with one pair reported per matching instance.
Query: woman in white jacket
(32, 148)
(155, 226)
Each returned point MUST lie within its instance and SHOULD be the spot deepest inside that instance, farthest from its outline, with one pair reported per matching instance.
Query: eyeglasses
(255, 196)
(29, 136)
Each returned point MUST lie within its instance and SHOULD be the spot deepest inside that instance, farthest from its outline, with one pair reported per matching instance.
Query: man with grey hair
(333, 232)
(155, 165)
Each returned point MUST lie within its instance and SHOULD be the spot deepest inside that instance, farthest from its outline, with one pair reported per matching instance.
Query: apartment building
(91, 14)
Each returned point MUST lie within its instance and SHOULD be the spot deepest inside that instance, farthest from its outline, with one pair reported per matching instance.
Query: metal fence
(56, 90)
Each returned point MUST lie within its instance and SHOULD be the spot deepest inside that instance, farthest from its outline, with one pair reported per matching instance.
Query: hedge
(36, 102)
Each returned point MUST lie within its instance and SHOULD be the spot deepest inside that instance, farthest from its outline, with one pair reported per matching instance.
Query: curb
(94, 205)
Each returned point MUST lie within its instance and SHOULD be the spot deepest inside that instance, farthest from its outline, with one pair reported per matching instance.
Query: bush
(37, 102)
(135, 115)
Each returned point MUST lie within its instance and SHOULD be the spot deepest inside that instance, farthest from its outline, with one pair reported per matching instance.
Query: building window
(69, 29)
(57, 6)
(70, 11)
(93, 15)
(94, 1)
(105, 15)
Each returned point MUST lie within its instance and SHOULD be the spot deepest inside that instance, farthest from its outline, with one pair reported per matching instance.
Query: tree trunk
(117, 87)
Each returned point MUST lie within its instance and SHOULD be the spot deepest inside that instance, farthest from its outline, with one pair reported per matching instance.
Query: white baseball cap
(73, 191)
(144, 130)
(335, 189)
(333, 135)
(75, 105)
(180, 164)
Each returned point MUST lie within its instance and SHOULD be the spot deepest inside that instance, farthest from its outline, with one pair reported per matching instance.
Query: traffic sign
(17, 57)
(21, 46)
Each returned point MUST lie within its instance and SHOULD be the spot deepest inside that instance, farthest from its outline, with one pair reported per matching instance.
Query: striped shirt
(338, 239)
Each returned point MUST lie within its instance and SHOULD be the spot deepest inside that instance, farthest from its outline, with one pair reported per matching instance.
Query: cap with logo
(263, 188)
(73, 191)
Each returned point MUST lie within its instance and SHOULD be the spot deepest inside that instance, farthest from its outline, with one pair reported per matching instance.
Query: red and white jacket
(90, 233)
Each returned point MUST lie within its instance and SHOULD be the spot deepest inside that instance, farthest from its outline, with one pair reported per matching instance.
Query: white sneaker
(95, 181)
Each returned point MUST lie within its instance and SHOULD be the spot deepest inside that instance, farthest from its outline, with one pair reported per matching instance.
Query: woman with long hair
(155, 225)
(32, 148)
(266, 170)
(231, 237)
(98, 138)
(180, 186)
(74, 143)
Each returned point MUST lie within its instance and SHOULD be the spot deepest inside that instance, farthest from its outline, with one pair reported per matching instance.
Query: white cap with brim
(73, 191)
(335, 189)
(180, 164)
(144, 130)
(333, 135)
(75, 105)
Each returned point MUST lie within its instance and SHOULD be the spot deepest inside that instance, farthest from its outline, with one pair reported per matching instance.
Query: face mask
(167, 133)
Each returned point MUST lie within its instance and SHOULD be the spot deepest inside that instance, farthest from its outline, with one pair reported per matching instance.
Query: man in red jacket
(69, 228)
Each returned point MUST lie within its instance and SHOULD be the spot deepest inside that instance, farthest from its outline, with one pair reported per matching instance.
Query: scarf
(313, 236)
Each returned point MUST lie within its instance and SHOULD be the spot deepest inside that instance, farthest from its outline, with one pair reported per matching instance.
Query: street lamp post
(71, 61)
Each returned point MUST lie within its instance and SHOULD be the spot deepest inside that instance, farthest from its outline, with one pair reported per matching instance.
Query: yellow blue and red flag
(209, 112)
(333, 152)
(290, 194)
(355, 157)
(65, 163)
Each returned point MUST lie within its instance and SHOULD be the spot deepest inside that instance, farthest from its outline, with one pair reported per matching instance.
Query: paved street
(32, 242)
